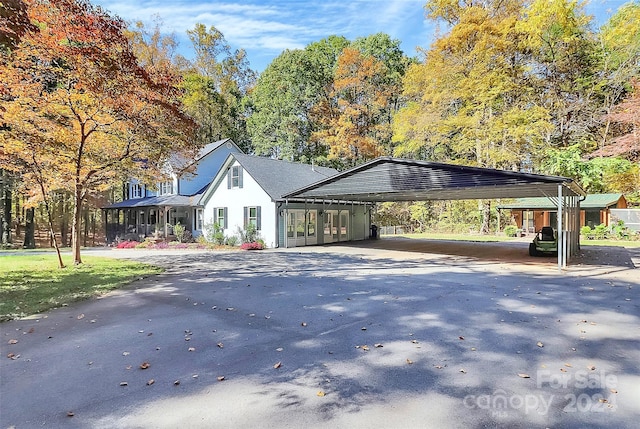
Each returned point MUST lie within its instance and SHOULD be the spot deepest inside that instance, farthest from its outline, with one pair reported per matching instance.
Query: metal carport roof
(394, 179)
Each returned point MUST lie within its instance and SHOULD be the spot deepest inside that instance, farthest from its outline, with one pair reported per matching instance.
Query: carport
(393, 179)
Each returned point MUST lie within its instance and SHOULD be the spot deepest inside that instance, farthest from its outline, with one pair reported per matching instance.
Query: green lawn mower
(545, 243)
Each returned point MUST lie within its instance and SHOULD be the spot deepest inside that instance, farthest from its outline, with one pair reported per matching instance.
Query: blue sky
(264, 28)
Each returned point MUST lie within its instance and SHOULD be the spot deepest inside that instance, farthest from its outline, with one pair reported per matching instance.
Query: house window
(136, 191)
(252, 217)
(220, 217)
(199, 216)
(166, 188)
(234, 177)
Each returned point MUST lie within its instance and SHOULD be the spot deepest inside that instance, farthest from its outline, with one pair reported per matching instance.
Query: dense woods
(531, 85)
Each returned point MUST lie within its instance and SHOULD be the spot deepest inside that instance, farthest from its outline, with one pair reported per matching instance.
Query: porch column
(146, 221)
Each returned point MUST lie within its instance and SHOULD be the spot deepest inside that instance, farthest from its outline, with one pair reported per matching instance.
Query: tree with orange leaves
(78, 111)
(355, 118)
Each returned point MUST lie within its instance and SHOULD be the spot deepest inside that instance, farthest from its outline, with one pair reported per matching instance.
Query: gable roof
(394, 179)
(278, 177)
(593, 201)
(182, 163)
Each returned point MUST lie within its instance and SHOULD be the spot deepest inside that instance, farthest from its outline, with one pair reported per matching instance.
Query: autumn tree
(562, 54)
(81, 111)
(468, 101)
(216, 83)
(295, 100)
(618, 85)
(354, 120)
(281, 122)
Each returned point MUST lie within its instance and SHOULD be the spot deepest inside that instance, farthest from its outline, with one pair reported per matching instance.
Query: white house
(250, 189)
(147, 211)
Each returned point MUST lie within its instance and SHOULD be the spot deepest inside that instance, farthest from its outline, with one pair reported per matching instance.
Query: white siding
(236, 199)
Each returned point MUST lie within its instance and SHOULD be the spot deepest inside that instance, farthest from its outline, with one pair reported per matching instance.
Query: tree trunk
(85, 227)
(75, 226)
(29, 229)
(18, 216)
(485, 206)
(52, 231)
(6, 215)
(64, 225)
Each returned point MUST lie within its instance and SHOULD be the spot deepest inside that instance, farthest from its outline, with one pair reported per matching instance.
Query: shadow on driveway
(361, 340)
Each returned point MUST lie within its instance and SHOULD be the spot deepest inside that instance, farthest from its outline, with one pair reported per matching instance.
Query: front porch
(138, 223)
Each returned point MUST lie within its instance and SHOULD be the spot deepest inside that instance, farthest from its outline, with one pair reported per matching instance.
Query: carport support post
(560, 234)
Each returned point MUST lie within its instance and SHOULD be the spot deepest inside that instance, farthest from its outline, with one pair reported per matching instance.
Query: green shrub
(511, 230)
(231, 240)
(620, 231)
(585, 230)
(248, 235)
(601, 232)
(180, 232)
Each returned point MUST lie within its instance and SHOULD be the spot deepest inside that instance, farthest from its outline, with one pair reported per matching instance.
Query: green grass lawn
(33, 283)
(496, 238)
(621, 243)
(455, 237)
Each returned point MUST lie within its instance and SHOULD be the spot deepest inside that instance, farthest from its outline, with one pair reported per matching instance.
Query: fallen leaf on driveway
(150, 382)
(70, 414)
(277, 365)
(320, 393)
(378, 345)
(462, 370)
(124, 383)
(568, 365)
(80, 316)
(303, 324)
(176, 383)
(192, 349)
(414, 341)
(125, 353)
(221, 378)
(539, 344)
(220, 345)
(13, 341)
(409, 361)
(145, 365)
(523, 375)
(461, 337)
(591, 367)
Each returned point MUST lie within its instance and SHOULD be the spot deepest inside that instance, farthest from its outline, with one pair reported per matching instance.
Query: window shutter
(246, 217)
(215, 215)
(226, 221)
(229, 178)
(258, 218)
(240, 177)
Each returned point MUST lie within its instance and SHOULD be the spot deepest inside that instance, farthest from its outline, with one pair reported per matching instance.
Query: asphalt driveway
(333, 337)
